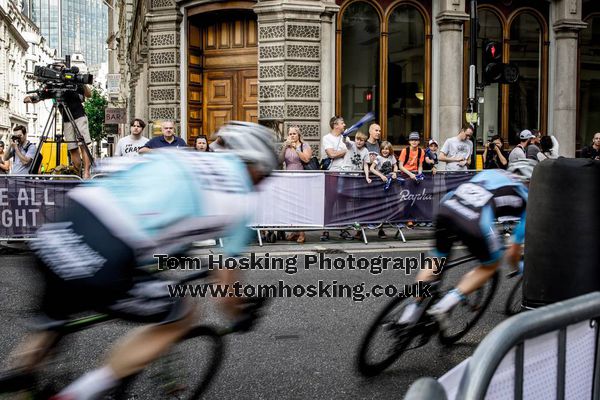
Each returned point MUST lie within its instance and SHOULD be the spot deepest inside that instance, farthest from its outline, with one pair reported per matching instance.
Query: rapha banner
(349, 198)
(26, 204)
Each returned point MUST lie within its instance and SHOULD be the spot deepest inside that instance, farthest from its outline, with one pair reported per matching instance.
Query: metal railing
(512, 333)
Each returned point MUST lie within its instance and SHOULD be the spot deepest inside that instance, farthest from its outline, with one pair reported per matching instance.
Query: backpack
(407, 156)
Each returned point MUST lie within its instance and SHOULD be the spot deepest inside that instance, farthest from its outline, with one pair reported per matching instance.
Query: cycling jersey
(470, 211)
(156, 204)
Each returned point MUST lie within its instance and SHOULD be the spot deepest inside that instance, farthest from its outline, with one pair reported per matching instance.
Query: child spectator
(385, 166)
(357, 155)
(386, 163)
(431, 157)
(411, 158)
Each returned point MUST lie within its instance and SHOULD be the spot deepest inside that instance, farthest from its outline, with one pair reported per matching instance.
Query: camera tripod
(58, 104)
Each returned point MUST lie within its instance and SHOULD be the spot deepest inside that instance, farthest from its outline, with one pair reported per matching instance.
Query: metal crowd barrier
(12, 204)
(512, 333)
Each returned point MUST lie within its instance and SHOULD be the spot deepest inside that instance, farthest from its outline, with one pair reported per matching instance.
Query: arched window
(360, 61)
(589, 82)
(525, 95)
(490, 28)
(406, 73)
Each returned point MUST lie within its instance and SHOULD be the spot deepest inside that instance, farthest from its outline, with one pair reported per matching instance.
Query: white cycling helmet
(253, 143)
(522, 169)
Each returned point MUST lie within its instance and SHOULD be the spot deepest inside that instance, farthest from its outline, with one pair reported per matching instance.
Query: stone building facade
(21, 48)
(302, 61)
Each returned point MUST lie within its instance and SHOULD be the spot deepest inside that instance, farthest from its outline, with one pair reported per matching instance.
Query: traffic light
(492, 62)
(369, 99)
(494, 71)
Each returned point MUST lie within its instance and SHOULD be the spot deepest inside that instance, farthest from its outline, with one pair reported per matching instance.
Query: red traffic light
(493, 52)
(368, 95)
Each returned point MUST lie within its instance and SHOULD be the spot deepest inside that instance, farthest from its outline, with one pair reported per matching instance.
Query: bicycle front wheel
(385, 340)
(466, 313)
(185, 372)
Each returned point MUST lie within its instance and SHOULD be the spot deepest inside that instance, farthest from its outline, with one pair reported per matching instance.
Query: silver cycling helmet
(522, 169)
(253, 143)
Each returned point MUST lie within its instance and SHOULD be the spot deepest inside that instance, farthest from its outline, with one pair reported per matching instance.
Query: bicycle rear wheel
(466, 313)
(385, 340)
(514, 300)
(185, 372)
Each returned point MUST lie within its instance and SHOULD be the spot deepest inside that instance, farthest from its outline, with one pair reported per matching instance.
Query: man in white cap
(520, 150)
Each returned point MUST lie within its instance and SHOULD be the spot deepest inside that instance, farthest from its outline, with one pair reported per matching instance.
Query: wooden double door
(222, 71)
(229, 95)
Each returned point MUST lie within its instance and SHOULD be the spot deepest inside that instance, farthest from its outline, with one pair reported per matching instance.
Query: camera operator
(73, 100)
(20, 150)
(493, 155)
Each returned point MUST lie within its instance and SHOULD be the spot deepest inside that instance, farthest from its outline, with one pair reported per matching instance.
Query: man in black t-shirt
(73, 100)
(592, 151)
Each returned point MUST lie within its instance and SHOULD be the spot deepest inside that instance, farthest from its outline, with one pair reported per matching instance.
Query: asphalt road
(304, 349)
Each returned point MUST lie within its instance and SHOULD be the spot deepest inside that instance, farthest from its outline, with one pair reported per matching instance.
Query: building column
(296, 65)
(566, 24)
(161, 42)
(450, 21)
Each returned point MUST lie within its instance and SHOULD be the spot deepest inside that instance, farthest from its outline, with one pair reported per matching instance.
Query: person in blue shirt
(468, 214)
(168, 139)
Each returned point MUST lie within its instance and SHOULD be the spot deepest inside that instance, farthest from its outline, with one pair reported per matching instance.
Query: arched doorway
(222, 70)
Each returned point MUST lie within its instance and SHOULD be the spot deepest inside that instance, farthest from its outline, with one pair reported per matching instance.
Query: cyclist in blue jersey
(156, 204)
(469, 214)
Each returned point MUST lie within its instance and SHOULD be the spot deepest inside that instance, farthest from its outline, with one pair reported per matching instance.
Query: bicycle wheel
(185, 372)
(385, 340)
(515, 297)
(466, 313)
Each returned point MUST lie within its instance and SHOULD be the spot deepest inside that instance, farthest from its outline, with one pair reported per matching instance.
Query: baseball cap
(432, 141)
(525, 134)
(414, 136)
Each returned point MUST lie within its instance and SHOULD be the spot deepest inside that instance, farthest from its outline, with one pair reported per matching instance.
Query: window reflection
(406, 74)
(524, 96)
(360, 61)
(589, 85)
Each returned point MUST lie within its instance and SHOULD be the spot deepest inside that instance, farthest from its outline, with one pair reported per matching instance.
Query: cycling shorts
(87, 268)
(448, 231)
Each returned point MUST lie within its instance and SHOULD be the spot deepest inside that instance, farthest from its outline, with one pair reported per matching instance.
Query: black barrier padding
(562, 238)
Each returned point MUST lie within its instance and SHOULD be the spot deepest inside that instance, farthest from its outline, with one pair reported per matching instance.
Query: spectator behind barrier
(592, 151)
(167, 139)
(456, 151)
(534, 145)
(357, 156)
(520, 150)
(548, 148)
(20, 152)
(372, 143)
(293, 153)
(385, 166)
(4, 165)
(201, 144)
(431, 157)
(412, 157)
(494, 157)
(333, 148)
(129, 146)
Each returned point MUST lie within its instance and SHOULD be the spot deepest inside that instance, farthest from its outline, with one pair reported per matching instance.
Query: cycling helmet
(252, 142)
(522, 169)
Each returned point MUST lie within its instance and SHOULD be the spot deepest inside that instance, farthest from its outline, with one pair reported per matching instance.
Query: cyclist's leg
(31, 351)
(488, 252)
(141, 346)
(444, 239)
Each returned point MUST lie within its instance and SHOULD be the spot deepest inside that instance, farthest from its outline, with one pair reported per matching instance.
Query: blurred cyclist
(468, 214)
(156, 204)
